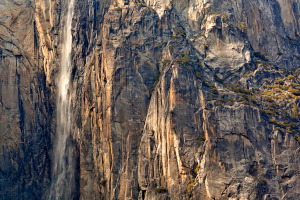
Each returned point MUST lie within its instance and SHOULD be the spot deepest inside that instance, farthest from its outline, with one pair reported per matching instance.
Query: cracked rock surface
(173, 99)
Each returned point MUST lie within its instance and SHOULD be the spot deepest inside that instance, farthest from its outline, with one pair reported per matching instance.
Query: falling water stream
(63, 179)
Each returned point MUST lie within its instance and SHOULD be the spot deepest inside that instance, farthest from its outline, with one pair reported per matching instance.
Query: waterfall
(63, 179)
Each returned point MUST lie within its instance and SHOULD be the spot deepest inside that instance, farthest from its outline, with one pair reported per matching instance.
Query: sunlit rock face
(156, 109)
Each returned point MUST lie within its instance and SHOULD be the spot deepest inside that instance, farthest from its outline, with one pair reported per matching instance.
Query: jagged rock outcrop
(171, 99)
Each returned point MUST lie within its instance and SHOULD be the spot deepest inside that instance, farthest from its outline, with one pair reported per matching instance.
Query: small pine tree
(295, 114)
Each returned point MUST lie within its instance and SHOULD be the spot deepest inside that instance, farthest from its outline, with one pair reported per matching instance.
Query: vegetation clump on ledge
(178, 33)
(201, 153)
(259, 55)
(242, 26)
(202, 138)
(103, 182)
(161, 189)
(190, 187)
(297, 138)
(141, 4)
(277, 98)
(157, 75)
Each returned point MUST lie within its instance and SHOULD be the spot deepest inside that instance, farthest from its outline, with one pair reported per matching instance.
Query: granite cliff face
(26, 113)
(173, 99)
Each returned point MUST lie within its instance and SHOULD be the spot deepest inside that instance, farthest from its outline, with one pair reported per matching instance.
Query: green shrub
(218, 79)
(295, 85)
(214, 91)
(156, 78)
(279, 81)
(202, 138)
(229, 100)
(199, 63)
(275, 121)
(295, 114)
(247, 75)
(294, 91)
(269, 99)
(201, 153)
(270, 112)
(204, 83)
(272, 105)
(184, 60)
(248, 98)
(218, 104)
(259, 55)
(151, 8)
(210, 99)
(225, 17)
(103, 182)
(161, 189)
(141, 4)
(166, 62)
(171, 49)
(221, 100)
(197, 169)
(285, 124)
(239, 89)
(178, 33)
(190, 187)
(231, 103)
(242, 26)
(262, 181)
(297, 138)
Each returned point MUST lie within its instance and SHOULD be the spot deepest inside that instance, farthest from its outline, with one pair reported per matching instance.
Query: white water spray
(63, 179)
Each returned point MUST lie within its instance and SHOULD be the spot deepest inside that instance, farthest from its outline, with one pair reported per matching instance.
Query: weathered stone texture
(144, 120)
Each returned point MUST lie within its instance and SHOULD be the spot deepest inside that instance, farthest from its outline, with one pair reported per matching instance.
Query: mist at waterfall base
(63, 184)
